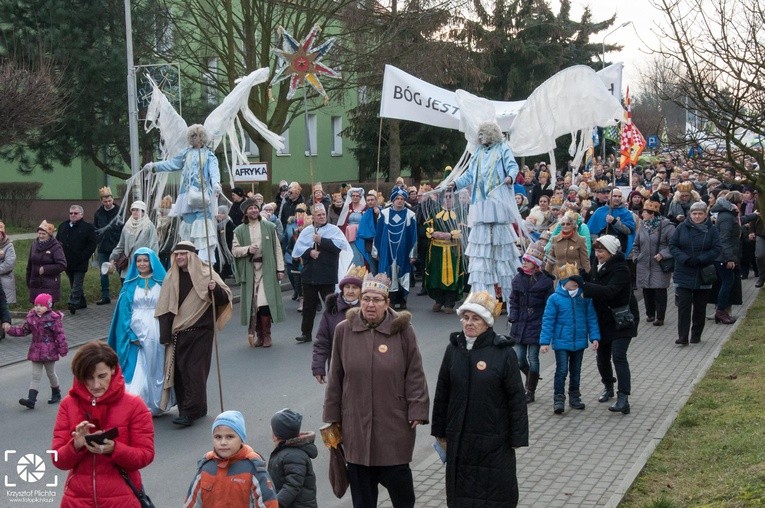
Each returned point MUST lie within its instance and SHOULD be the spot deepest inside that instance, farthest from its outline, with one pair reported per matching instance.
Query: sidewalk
(590, 458)
(86, 325)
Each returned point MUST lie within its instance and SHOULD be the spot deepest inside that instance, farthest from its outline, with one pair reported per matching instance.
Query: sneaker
(437, 307)
(448, 310)
(303, 338)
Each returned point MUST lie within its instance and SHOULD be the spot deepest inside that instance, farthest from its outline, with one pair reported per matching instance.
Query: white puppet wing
(572, 101)
(223, 122)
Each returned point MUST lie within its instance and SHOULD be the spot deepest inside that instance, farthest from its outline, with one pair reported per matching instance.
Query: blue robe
(598, 225)
(122, 338)
(395, 244)
(367, 231)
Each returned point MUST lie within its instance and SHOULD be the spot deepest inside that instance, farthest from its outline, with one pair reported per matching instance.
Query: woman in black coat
(479, 411)
(695, 244)
(610, 287)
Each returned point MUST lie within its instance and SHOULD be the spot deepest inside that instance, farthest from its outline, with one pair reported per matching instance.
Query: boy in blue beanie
(233, 474)
(568, 322)
(290, 463)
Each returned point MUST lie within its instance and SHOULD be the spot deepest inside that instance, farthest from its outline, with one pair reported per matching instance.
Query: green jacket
(245, 276)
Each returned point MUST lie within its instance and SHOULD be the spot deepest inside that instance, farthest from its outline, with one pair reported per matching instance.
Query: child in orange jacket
(232, 475)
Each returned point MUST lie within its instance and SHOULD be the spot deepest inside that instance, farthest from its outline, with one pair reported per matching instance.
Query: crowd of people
(583, 242)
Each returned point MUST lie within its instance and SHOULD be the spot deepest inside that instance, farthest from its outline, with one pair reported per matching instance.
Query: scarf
(135, 226)
(196, 302)
(652, 224)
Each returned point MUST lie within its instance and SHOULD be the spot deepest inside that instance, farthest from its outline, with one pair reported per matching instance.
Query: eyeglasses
(377, 301)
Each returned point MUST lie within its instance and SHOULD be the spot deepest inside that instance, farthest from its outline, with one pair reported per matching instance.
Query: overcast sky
(634, 38)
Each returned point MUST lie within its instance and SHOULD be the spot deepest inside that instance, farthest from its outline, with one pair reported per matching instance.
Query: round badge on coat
(481, 365)
(382, 348)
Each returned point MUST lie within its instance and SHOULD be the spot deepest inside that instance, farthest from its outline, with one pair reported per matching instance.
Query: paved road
(586, 458)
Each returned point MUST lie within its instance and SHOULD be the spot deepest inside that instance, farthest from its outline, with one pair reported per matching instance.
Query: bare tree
(31, 98)
(715, 67)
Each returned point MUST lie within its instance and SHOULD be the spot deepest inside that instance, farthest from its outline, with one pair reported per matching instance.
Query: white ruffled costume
(492, 252)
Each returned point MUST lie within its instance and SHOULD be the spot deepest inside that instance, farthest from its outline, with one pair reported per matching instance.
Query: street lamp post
(132, 107)
(603, 61)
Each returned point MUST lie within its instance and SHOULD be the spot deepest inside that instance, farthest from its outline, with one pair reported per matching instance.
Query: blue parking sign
(653, 141)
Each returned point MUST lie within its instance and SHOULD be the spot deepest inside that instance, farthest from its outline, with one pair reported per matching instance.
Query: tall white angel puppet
(492, 252)
(192, 151)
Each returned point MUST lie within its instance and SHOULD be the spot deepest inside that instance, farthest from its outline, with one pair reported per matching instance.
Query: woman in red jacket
(97, 403)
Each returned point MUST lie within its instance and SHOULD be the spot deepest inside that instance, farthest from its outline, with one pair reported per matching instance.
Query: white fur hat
(483, 304)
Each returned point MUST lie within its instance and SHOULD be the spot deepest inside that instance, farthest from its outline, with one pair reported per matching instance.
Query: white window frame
(337, 139)
(312, 123)
(286, 151)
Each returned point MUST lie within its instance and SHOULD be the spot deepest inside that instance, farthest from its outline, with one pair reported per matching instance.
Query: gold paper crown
(485, 300)
(379, 283)
(568, 270)
(104, 191)
(167, 202)
(601, 184)
(684, 187)
(556, 201)
(645, 193)
(571, 214)
(357, 271)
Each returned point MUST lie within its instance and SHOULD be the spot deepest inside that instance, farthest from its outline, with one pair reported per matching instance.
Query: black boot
(559, 403)
(531, 386)
(622, 404)
(608, 392)
(56, 397)
(575, 400)
(30, 401)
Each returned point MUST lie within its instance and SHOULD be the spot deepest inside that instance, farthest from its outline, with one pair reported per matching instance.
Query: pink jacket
(93, 479)
(48, 338)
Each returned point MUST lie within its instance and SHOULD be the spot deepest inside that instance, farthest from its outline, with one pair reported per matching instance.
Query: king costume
(444, 274)
(395, 246)
(134, 334)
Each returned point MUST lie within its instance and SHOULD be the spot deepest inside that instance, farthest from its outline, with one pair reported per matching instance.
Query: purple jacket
(334, 313)
(48, 339)
(527, 305)
(50, 256)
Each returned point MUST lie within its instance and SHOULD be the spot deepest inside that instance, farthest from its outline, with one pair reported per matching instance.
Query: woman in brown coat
(377, 392)
(568, 246)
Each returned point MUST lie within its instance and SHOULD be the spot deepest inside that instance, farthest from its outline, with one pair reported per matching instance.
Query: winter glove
(579, 280)
(148, 167)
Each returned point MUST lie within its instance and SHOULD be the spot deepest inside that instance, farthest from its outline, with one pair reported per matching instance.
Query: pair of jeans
(76, 296)
(103, 257)
(655, 302)
(364, 481)
(615, 350)
(528, 356)
(727, 279)
(567, 362)
(691, 309)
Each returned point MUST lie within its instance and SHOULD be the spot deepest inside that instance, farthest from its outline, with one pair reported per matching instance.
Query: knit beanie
(44, 299)
(234, 420)
(285, 424)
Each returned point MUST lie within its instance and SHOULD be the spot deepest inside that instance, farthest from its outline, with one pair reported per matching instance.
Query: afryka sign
(256, 172)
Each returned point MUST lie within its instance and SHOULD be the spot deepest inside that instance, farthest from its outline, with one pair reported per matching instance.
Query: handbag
(143, 498)
(121, 262)
(623, 317)
(667, 265)
(708, 275)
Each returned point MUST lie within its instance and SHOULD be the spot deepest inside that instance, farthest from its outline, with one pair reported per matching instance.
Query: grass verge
(714, 453)
(92, 285)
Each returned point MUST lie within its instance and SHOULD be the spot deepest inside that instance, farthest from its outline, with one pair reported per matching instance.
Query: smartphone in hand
(100, 438)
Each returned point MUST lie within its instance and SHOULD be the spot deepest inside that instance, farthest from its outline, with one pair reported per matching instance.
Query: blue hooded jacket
(568, 322)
